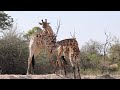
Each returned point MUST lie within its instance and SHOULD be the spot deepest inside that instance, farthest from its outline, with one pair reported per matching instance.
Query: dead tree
(106, 45)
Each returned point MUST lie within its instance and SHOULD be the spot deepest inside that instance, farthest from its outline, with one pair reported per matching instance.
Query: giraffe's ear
(40, 23)
(48, 23)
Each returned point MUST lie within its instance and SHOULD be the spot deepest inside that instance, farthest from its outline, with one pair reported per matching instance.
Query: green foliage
(91, 55)
(92, 47)
(43, 64)
(5, 21)
(92, 58)
(31, 32)
(114, 53)
(13, 53)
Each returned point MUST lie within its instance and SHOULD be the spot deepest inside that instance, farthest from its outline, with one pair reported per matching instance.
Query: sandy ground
(48, 76)
(57, 76)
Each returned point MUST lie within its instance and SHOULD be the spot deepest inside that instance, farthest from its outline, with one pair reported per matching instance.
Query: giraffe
(42, 40)
(68, 48)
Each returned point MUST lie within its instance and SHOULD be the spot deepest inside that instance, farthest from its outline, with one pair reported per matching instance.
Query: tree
(5, 20)
(109, 45)
(106, 45)
(91, 54)
(92, 47)
(31, 32)
(13, 52)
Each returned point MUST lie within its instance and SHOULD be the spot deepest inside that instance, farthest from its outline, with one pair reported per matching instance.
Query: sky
(87, 24)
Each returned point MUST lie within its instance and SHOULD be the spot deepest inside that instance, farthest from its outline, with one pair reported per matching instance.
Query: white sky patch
(88, 24)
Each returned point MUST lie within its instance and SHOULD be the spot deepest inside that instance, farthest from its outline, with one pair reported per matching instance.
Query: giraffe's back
(68, 42)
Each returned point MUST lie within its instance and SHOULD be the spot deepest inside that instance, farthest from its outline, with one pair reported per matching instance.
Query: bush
(13, 53)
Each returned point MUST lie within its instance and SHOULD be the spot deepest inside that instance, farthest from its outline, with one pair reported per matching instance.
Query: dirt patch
(57, 76)
(48, 76)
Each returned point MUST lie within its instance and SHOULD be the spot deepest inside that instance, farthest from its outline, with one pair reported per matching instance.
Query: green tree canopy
(31, 32)
(5, 20)
(91, 54)
(92, 47)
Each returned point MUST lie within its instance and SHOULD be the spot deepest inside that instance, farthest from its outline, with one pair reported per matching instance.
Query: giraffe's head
(44, 24)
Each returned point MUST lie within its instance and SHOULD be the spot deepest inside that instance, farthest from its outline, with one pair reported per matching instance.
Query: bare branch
(73, 36)
(107, 44)
(74, 32)
(115, 40)
(105, 33)
(58, 27)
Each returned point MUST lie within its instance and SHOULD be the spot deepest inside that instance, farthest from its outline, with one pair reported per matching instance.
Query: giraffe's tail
(33, 61)
(63, 58)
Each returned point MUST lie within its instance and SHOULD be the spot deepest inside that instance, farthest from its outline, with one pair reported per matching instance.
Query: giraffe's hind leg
(56, 67)
(78, 67)
(74, 72)
(64, 70)
(64, 63)
(73, 66)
